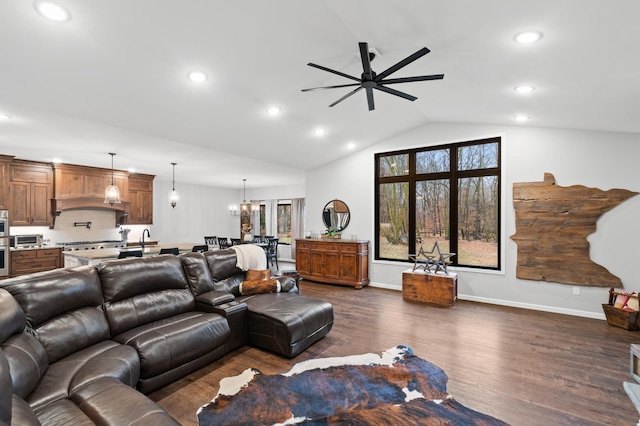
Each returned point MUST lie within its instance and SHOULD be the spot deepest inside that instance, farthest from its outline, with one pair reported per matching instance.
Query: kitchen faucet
(142, 238)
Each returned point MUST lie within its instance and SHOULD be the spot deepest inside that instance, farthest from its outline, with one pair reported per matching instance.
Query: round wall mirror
(336, 215)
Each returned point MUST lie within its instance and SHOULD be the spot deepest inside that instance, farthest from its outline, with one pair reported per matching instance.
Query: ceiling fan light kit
(369, 80)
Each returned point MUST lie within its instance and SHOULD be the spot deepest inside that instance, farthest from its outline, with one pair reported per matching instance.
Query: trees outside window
(284, 222)
(448, 193)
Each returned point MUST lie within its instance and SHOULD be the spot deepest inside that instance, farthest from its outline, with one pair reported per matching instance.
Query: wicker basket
(629, 320)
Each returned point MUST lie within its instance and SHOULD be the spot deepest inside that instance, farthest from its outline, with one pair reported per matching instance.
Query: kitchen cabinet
(344, 262)
(140, 199)
(84, 186)
(5, 161)
(30, 193)
(35, 260)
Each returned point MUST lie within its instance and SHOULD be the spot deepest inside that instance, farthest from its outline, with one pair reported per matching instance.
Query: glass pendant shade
(173, 194)
(173, 198)
(112, 192)
(112, 195)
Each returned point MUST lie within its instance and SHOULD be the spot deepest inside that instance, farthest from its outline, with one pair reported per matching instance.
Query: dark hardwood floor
(523, 367)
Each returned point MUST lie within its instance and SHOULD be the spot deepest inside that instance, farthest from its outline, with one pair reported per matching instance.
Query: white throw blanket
(250, 257)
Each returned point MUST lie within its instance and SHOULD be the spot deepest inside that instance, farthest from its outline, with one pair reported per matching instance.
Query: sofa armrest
(206, 302)
(287, 284)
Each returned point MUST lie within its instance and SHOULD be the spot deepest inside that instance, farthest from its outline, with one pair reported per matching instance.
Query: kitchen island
(95, 257)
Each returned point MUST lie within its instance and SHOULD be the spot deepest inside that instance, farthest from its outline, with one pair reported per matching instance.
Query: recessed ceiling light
(197, 76)
(52, 10)
(319, 132)
(524, 89)
(527, 37)
(520, 118)
(351, 145)
(5, 117)
(273, 111)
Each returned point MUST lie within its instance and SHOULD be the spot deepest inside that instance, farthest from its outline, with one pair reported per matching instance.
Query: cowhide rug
(395, 388)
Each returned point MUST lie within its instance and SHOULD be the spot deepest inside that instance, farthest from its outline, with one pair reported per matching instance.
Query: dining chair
(130, 253)
(272, 251)
(200, 248)
(172, 250)
(236, 241)
(223, 242)
(211, 241)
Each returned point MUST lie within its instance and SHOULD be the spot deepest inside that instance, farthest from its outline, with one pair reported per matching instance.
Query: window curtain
(255, 218)
(297, 222)
(271, 217)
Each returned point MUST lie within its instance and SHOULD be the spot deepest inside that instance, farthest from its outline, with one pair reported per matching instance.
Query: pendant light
(244, 207)
(173, 195)
(111, 192)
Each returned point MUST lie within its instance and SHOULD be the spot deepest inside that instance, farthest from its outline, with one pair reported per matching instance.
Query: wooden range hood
(82, 188)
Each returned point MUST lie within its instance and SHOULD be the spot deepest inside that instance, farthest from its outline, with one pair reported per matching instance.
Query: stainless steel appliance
(27, 241)
(4, 256)
(4, 223)
(91, 245)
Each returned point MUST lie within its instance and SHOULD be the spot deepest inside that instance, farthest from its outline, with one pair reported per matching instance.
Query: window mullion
(453, 204)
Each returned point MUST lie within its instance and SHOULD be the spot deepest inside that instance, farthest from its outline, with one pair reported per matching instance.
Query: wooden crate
(629, 320)
(621, 318)
(437, 289)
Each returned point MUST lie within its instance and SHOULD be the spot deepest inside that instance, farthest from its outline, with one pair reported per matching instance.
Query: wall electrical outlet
(576, 291)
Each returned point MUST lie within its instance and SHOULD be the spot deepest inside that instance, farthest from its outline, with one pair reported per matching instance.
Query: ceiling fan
(370, 80)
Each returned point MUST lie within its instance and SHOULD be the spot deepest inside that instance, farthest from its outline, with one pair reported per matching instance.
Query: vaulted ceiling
(114, 78)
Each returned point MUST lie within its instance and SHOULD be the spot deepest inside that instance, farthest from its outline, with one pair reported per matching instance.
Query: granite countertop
(112, 253)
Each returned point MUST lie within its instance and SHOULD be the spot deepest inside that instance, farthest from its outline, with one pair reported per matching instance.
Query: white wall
(286, 192)
(202, 210)
(603, 160)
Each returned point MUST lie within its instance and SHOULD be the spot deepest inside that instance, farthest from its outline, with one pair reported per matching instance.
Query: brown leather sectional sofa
(83, 345)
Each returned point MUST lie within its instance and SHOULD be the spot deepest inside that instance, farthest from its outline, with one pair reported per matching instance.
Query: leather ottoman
(287, 323)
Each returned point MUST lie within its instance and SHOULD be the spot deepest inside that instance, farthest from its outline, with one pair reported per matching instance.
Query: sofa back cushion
(198, 273)
(25, 357)
(6, 396)
(64, 308)
(12, 319)
(138, 291)
(226, 275)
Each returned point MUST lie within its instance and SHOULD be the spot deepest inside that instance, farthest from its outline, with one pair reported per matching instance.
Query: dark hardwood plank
(523, 367)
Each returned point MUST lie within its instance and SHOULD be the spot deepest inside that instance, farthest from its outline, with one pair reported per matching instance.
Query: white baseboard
(512, 304)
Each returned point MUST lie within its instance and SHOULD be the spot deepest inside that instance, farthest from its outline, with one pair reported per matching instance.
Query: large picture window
(446, 193)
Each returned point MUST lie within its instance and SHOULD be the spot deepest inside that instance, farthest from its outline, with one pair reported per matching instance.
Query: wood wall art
(552, 225)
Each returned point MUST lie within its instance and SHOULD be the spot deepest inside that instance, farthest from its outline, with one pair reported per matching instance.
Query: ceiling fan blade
(366, 62)
(330, 87)
(396, 92)
(410, 79)
(320, 67)
(345, 97)
(370, 98)
(403, 63)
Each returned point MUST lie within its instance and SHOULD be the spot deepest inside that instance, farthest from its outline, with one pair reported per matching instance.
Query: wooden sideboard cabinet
(35, 260)
(344, 262)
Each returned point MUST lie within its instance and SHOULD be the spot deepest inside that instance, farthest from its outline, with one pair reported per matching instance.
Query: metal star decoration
(425, 264)
(443, 259)
(436, 257)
